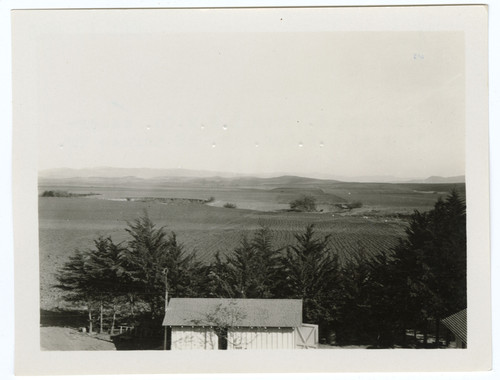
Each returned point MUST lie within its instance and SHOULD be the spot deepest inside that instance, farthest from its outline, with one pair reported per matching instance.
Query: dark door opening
(222, 340)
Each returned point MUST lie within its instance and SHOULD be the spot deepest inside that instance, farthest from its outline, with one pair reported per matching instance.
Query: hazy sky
(338, 103)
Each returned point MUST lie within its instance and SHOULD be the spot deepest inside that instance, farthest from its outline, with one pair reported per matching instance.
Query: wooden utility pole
(165, 272)
(101, 318)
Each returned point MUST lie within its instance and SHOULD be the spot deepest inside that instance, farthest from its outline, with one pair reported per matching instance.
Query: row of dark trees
(369, 300)
(422, 280)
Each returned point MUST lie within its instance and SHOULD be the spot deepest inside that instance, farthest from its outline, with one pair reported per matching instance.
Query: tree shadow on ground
(130, 342)
(142, 338)
(63, 318)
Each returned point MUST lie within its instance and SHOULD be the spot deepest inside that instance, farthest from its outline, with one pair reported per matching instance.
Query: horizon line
(222, 173)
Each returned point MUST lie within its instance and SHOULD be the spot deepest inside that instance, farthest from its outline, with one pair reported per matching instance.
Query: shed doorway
(222, 345)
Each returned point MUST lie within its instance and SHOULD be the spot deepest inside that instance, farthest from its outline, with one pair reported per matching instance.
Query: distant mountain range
(146, 173)
(437, 179)
(186, 176)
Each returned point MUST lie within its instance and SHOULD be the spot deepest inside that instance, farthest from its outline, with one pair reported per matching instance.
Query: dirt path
(68, 339)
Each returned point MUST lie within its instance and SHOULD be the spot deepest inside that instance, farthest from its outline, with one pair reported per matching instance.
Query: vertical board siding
(202, 338)
(260, 338)
(194, 338)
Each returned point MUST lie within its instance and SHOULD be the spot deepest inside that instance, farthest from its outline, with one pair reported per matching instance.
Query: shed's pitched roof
(240, 312)
(457, 323)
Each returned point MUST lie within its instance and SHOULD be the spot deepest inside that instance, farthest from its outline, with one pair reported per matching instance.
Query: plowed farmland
(68, 224)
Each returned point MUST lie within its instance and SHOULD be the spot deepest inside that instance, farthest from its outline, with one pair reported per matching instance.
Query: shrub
(304, 203)
(355, 204)
(349, 206)
(56, 193)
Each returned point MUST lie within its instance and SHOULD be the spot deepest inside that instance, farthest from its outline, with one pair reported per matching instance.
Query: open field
(261, 194)
(67, 224)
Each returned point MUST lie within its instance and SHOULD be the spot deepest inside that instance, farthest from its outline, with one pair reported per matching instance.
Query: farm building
(457, 324)
(232, 324)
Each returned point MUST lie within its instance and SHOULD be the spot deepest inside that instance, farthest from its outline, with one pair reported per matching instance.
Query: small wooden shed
(232, 324)
(457, 324)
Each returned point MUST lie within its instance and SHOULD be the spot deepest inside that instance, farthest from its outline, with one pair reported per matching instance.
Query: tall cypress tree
(91, 277)
(249, 271)
(430, 264)
(73, 278)
(150, 254)
(423, 279)
(310, 271)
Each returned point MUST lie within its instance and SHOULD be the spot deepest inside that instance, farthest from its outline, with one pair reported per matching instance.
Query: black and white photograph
(252, 179)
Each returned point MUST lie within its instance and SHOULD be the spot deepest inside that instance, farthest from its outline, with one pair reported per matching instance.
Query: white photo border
(31, 361)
